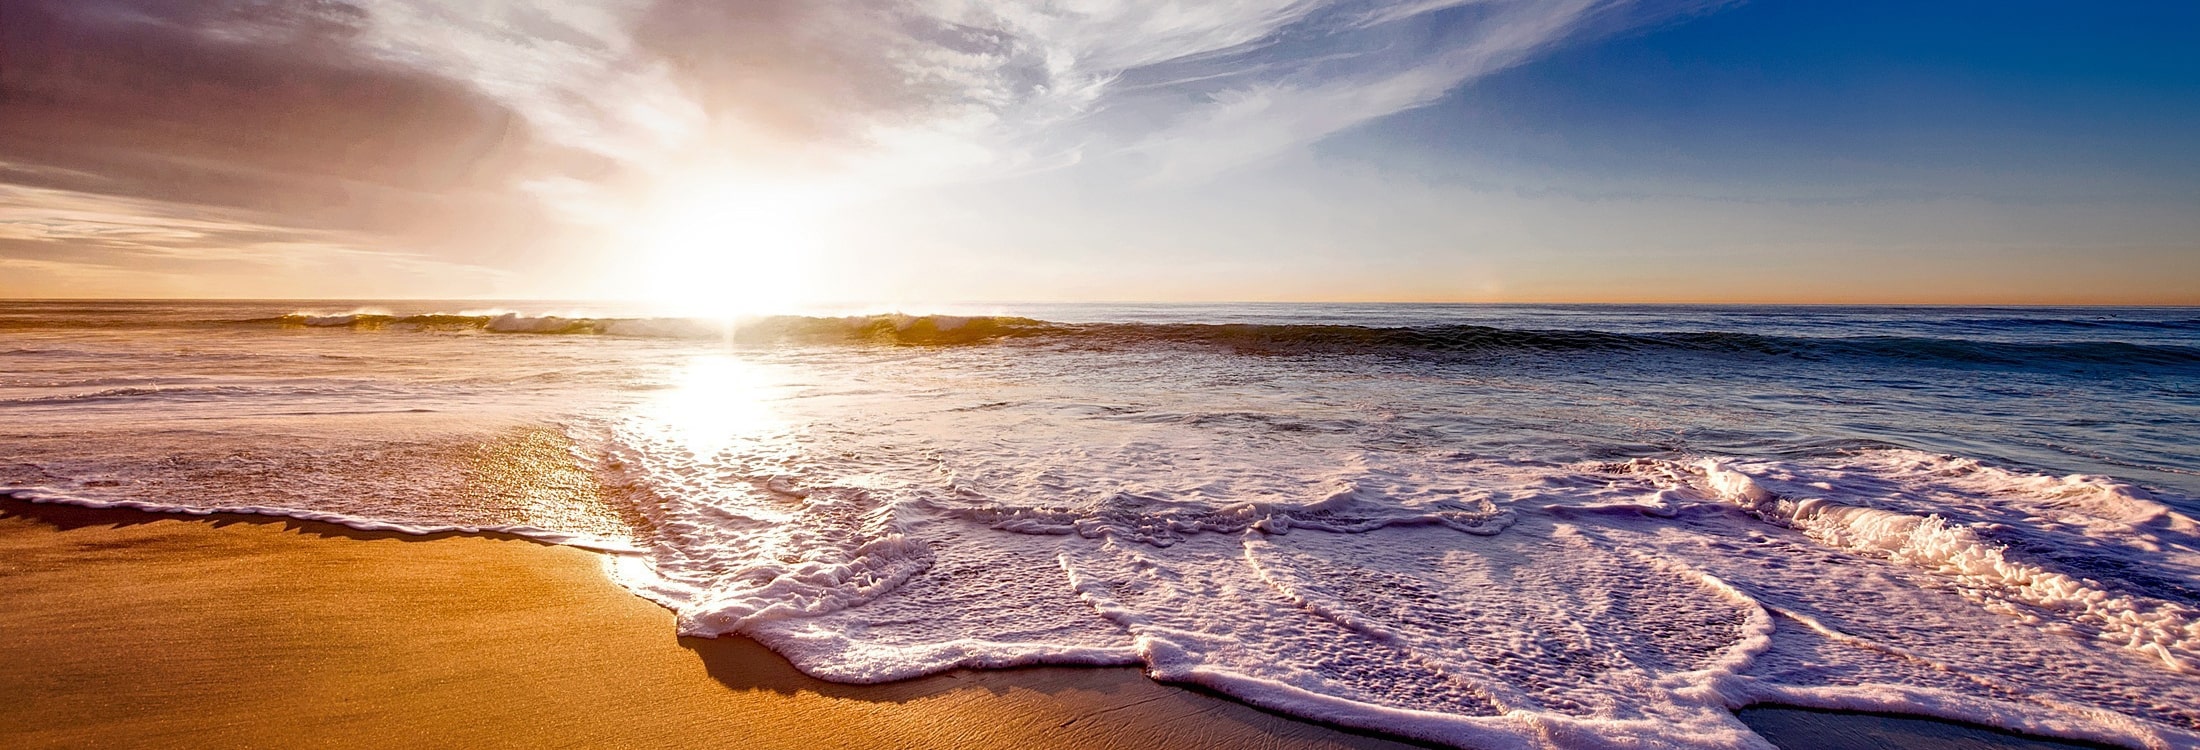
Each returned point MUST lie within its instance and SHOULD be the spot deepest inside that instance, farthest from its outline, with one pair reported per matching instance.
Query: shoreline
(128, 629)
(131, 629)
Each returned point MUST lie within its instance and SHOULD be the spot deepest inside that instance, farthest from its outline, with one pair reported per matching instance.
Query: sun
(731, 249)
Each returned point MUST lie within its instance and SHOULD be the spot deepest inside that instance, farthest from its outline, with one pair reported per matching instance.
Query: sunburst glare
(726, 248)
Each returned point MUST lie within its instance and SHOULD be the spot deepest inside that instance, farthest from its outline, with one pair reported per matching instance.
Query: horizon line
(1463, 303)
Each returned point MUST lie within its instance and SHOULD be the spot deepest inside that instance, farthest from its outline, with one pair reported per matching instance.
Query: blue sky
(781, 153)
(2011, 100)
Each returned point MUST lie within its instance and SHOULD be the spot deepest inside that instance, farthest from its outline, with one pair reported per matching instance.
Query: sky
(757, 155)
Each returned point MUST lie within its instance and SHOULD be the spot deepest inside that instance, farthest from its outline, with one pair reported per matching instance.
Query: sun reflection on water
(718, 403)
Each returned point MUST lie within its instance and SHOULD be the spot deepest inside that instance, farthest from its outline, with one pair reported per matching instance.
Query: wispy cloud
(939, 90)
(99, 244)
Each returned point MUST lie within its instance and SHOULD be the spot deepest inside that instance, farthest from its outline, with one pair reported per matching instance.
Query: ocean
(1476, 525)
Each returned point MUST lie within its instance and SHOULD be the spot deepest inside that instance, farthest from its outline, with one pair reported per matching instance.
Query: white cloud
(945, 90)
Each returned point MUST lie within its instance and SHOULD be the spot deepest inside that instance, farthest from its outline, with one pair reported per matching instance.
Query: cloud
(123, 89)
(266, 114)
(1262, 117)
(105, 245)
(773, 84)
(495, 132)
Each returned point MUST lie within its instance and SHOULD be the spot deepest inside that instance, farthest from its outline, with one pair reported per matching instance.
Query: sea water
(1488, 526)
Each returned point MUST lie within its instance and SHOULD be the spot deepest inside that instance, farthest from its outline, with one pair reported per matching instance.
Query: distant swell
(500, 323)
(1273, 339)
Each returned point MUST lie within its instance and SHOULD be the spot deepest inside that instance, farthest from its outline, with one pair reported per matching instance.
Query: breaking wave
(1277, 339)
(1985, 571)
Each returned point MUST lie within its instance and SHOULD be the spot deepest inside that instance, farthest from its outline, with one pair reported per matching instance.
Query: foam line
(598, 544)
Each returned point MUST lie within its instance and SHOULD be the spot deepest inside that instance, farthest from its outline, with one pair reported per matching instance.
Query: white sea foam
(318, 319)
(1455, 598)
(1984, 570)
(1547, 634)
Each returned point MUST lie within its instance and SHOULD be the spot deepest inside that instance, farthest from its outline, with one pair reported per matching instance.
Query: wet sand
(1811, 729)
(128, 629)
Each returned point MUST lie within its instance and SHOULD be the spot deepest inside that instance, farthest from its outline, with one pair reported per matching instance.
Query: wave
(501, 322)
(1275, 339)
(1161, 522)
(2013, 322)
(1892, 344)
(139, 393)
(1984, 570)
(50, 496)
(174, 393)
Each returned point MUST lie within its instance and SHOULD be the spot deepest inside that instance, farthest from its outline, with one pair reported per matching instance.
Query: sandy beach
(129, 629)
